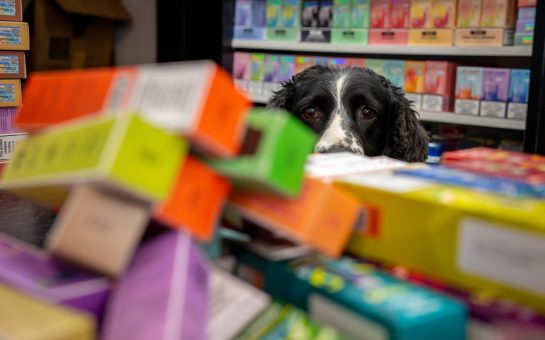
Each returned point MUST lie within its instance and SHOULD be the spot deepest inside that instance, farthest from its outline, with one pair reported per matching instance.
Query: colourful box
(12, 64)
(271, 74)
(381, 14)
(354, 62)
(394, 70)
(469, 89)
(376, 65)
(14, 36)
(33, 319)
(259, 13)
(338, 62)
(168, 282)
(241, 70)
(33, 272)
(527, 3)
(469, 13)
(291, 13)
(288, 67)
(421, 14)
(444, 13)
(438, 86)
(243, 13)
(11, 10)
(431, 37)
(388, 36)
(10, 92)
(302, 63)
(7, 118)
(122, 152)
(197, 100)
(523, 39)
(274, 13)
(360, 13)
(526, 13)
(519, 89)
(250, 18)
(255, 85)
(490, 37)
(495, 92)
(414, 82)
(498, 13)
(316, 20)
(342, 13)
(273, 156)
(350, 36)
(526, 26)
(400, 13)
(8, 144)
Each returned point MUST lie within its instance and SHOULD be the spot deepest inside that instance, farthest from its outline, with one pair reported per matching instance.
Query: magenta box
(164, 293)
(495, 84)
(400, 13)
(7, 117)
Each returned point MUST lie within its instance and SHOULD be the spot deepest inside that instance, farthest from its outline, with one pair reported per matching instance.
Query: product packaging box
(469, 13)
(241, 70)
(273, 12)
(421, 14)
(255, 84)
(414, 81)
(394, 70)
(188, 98)
(196, 201)
(400, 13)
(360, 13)
(444, 13)
(168, 279)
(381, 14)
(14, 36)
(12, 64)
(491, 37)
(302, 63)
(34, 319)
(527, 3)
(123, 153)
(524, 39)
(316, 20)
(283, 19)
(354, 62)
(321, 61)
(10, 92)
(11, 10)
(250, 19)
(495, 92)
(526, 26)
(439, 86)
(291, 13)
(338, 62)
(271, 74)
(431, 37)
(498, 13)
(273, 156)
(7, 118)
(350, 36)
(287, 67)
(469, 90)
(8, 144)
(33, 272)
(526, 13)
(388, 36)
(335, 215)
(376, 65)
(518, 94)
(342, 11)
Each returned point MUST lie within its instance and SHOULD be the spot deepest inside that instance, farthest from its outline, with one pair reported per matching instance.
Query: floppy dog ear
(283, 98)
(407, 140)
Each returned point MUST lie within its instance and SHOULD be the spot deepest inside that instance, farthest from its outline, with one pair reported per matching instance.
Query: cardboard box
(7, 118)
(342, 12)
(360, 13)
(273, 156)
(98, 229)
(414, 82)
(288, 67)
(350, 36)
(271, 74)
(316, 20)
(33, 319)
(492, 37)
(524, 39)
(431, 37)
(495, 92)
(14, 36)
(33, 272)
(527, 3)
(170, 272)
(12, 65)
(469, 13)
(10, 92)
(123, 152)
(388, 36)
(8, 144)
(241, 70)
(256, 73)
(194, 99)
(376, 65)
(498, 13)
(526, 26)
(196, 201)
(467, 238)
(381, 14)
(400, 13)
(394, 70)
(469, 89)
(11, 10)
(439, 86)
(421, 14)
(526, 13)
(73, 34)
(519, 89)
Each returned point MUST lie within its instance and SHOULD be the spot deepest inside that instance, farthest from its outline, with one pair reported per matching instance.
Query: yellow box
(14, 36)
(10, 92)
(431, 37)
(476, 241)
(493, 37)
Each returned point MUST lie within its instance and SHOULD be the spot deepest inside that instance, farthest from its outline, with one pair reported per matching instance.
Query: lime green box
(122, 152)
(282, 34)
(349, 36)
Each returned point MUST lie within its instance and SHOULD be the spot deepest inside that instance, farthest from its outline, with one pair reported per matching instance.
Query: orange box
(197, 200)
(431, 37)
(195, 99)
(388, 36)
(11, 10)
(14, 36)
(323, 216)
(493, 37)
(10, 92)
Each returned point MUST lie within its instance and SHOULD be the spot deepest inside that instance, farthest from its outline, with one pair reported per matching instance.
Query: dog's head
(354, 110)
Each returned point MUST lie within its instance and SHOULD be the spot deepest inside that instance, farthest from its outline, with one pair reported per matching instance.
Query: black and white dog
(355, 110)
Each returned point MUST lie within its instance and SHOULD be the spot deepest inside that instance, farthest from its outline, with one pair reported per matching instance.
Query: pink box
(527, 3)
(421, 14)
(388, 36)
(400, 13)
(354, 62)
(439, 86)
(241, 70)
(381, 13)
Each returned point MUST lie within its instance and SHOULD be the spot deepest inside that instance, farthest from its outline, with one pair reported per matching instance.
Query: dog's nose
(335, 148)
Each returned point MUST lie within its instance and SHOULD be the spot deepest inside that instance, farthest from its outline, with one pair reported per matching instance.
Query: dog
(355, 110)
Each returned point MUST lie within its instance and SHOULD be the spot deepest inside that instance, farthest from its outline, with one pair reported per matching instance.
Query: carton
(342, 14)
(10, 92)
(291, 13)
(360, 13)
(283, 18)
(241, 70)
(414, 82)
(519, 89)
(400, 13)
(381, 14)
(526, 13)
(498, 13)
(250, 19)
(525, 26)
(469, 13)
(255, 84)
(273, 14)
(444, 13)
(12, 65)
(388, 36)
(421, 14)
(524, 39)
(8, 144)
(431, 37)
(394, 70)
(169, 271)
(33, 319)
(271, 74)
(316, 20)
(495, 92)
(11, 10)
(438, 86)
(376, 65)
(492, 37)
(469, 90)
(14, 36)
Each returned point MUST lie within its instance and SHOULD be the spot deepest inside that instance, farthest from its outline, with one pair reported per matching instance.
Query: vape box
(35, 273)
(271, 74)
(11, 10)
(7, 118)
(495, 92)
(274, 13)
(321, 60)
(302, 63)
(123, 153)
(490, 37)
(338, 62)
(376, 65)
(381, 14)
(360, 13)
(498, 13)
(255, 84)
(431, 37)
(421, 14)
(342, 14)
(388, 36)
(400, 13)
(283, 20)
(291, 13)
(259, 13)
(524, 39)
(469, 87)
(163, 295)
(188, 98)
(526, 13)
(526, 26)
(243, 13)
(414, 82)
(438, 86)
(196, 201)
(287, 67)
(14, 36)
(10, 92)
(394, 70)
(469, 13)
(30, 318)
(444, 13)
(316, 20)
(250, 18)
(350, 36)
(98, 229)
(8, 144)
(354, 62)
(527, 3)
(12, 64)
(241, 70)
(518, 94)
(271, 140)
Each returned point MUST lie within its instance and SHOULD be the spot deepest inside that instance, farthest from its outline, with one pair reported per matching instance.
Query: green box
(360, 14)
(273, 156)
(376, 65)
(524, 39)
(349, 36)
(342, 14)
(123, 152)
(282, 34)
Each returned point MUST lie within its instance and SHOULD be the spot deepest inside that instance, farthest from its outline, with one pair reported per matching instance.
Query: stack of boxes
(526, 19)
(432, 22)
(350, 22)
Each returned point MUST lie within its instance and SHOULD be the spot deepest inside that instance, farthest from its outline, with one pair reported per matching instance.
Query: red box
(400, 13)
(527, 3)
(439, 83)
(380, 13)
(388, 37)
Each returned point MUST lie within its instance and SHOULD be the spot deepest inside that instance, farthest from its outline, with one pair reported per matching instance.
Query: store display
(495, 92)
(469, 90)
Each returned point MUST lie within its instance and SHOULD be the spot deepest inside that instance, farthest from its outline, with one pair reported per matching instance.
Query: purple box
(163, 295)
(526, 13)
(33, 272)
(7, 117)
(526, 26)
(496, 84)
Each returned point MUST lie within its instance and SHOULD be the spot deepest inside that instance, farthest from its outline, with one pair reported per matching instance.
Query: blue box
(526, 13)
(519, 88)
(394, 70)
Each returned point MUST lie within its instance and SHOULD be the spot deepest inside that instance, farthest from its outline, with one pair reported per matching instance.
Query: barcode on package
(493, 109)
(8, 143)
(432, 102)
(11, 35)
(467, 106)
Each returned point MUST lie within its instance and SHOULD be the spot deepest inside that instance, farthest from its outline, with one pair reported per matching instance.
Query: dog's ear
(283, 98)
(407, 140)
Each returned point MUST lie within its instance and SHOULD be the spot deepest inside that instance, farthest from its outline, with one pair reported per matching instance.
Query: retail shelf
(446, 117)
(507, 51)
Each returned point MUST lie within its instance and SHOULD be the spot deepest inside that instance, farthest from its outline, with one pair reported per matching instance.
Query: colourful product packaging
(255, 84)
(11, 10)
(259, 13)
(14, 36)
(250, 19)
(495, 92)
(122, 152)
(283, 18)
(321, 60)
(342, 14)
(388, 36)
(394, 70)
(291, 13)
(400, 13)
(9, 143)
(527, 3)
(488, 37)
(316, 20)
(518, 94)
(444, 13)
(438, 86)
(360, 13)
(7, 117)
(274, 13)
(12, 64)
(273, 156)
(469, 90)
(526, 26)
(271, 74)
(469, 13)
(421, 14)
(414, 81)
(381, 14)
(241, 70)
(163, 295)
(302, 63)
(10, 92)
(33, 272)
(526, 13)
(243, 13)
(376, 65)
(338, 62)
(431, 37)
(524, 39)
(354, 62)
(288, 67)
(33, 319)
(188, 98)
(498, 13)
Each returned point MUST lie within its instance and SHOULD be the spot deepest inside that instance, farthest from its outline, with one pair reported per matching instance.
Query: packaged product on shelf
(438, 86)
(376, 65)
(291, 13)
(350, 22)
(490, 37)
(444, 13)
(431, 37)
(526, 26)
(350, 36)
(394, 70)
(11, 10)
(241, 70)
(338, 62)
(400, 13)
(316, 20)
(256, 73)
(360, 13)
(33, 272)
(354, 62)
(288, 67)
(283, 17)
(317, 60)
(168, 279)
(14, 36)
(518, 94)
(273, 13)
(8, 144)
(250, 19)
(524, 39)
(469, 90)
(469, 13)
(388, 36)
(498, 13)
(527, 3)
(342, 14)
(273, 155)
(12, 64)
(380, 14)
(7, 118)
(302, 63)
(495, 92)
(414, 82)
(271, 74)
(188, 98)
(29, 318)
(10, 92)
(526, 13)
(421, 14)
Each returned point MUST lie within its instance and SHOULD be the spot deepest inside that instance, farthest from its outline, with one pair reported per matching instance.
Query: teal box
(394, 70)
(350, 36)
(342, 13)
(360, 13)
(291, 12)
(376, 65)
(274, 13)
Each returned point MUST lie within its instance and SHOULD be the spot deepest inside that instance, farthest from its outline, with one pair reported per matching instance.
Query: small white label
(467, 106)
(432, 102)
(241, 84)
(415, 98)
(517, 110)
(493, 109)
(387, 182)
(8, 143)
(499, 253)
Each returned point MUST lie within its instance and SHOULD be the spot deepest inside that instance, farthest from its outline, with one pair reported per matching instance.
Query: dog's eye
(310, 113)
(366, 113)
